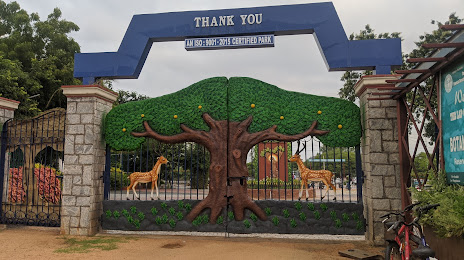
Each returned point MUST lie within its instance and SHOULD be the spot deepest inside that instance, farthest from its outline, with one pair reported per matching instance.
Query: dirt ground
(47, 243)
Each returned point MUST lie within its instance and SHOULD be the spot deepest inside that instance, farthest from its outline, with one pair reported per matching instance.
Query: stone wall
(84, 158)
(380, 156)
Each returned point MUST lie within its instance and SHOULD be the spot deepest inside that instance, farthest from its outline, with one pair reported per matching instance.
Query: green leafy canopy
(36, 58)
(232, 99)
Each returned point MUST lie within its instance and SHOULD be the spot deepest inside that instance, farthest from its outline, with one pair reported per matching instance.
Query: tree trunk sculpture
(228, 144)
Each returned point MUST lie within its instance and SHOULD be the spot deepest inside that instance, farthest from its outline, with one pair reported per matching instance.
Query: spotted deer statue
(308, 175)
(146, 177)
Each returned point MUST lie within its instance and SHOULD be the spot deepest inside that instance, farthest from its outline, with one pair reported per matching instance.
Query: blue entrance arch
(320, 19)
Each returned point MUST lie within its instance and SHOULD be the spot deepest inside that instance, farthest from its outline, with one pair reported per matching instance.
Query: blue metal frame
(319, 19)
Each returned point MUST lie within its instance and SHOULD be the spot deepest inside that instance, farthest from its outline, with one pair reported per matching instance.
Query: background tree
(350, 78)
(438, 35)
(128, 96)
(228, 117)
(421, 164)
(36, 58)
(330, 153)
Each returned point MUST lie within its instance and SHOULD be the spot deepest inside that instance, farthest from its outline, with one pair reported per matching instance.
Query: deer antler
(298, 151)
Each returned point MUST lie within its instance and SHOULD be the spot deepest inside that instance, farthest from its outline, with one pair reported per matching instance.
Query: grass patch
(85, 245)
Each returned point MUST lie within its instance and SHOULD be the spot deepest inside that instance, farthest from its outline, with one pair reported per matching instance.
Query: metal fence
(271, 175)
(30, 162)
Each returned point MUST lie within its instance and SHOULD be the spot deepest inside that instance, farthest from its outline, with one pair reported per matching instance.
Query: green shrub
(180, 204)
(116, 214)
(293, 223)
(302, 216)
(317, 215)
(311, 206)
(118, 179)
(323, 207)
(188, 207)
(164, 205)
(141, 216)
(355, 216)
(246, 223)
(338, 223)
(345, 217)
(231, 216)
(197, 221)
(164, 219)
(154, 211)
(286, 214)
(298, 206)
(275, 221)
(172, 211)
(448, 219)
(172, 223)
(179, 216)
(125, 213)
(136, 223)
(133, 209)
(204, 219)
(253, 217)
(109, 214)
(268, 211)
(333, 214)
(220, 220)
(158, 220)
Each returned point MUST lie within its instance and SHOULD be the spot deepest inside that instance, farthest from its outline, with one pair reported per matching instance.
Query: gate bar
(359, 174)
(2, 164)
(106, 173)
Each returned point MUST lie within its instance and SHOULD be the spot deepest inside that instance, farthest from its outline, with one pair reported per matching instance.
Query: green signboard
(452, 115)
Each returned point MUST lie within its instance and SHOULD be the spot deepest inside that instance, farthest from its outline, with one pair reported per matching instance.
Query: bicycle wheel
(392, 252)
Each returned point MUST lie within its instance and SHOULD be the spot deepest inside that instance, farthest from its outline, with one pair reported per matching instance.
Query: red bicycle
(409, 242)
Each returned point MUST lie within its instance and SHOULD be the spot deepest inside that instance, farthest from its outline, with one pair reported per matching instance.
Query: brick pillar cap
(90, 91)
(8, 104)
(373, 81)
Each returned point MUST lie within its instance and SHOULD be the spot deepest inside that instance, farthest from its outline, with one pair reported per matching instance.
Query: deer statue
(308, 175)
(146, 177)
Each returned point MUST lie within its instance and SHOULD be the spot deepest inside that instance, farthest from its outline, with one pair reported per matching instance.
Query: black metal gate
(273, 183)
(31, 160)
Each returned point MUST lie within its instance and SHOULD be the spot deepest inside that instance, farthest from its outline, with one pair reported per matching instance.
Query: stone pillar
(84, 158)
(7, 108)
(380, 156)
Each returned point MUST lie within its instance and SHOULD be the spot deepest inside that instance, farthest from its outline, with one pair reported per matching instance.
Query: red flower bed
(16, 193)
(48, 184)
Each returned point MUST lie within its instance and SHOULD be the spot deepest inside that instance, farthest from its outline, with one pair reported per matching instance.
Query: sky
(295, 62)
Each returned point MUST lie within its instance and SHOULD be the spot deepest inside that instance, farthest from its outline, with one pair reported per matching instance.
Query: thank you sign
(452, 114)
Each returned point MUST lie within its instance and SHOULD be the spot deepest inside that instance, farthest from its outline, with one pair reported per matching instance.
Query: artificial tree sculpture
(229, 117)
